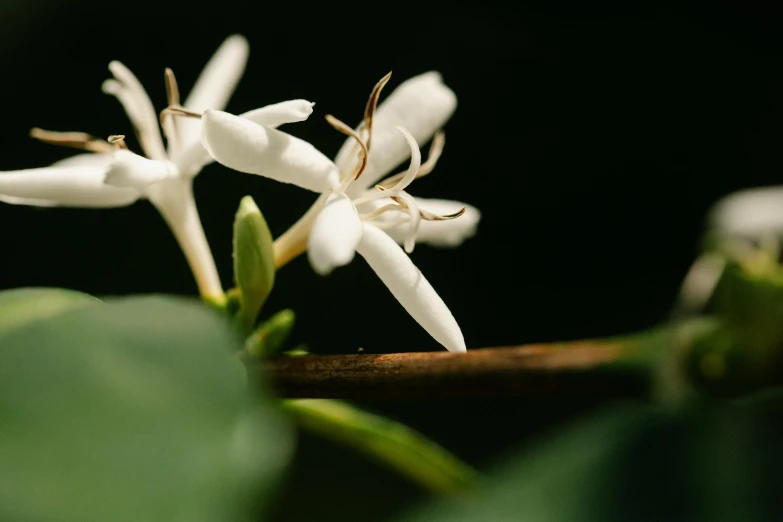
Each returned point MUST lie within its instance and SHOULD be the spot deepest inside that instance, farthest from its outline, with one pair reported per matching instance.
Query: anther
(345, 129)
(118, 140)
(372, 104)
(77, 140)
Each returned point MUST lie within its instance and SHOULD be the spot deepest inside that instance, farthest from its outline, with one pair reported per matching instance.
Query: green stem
(391, 443)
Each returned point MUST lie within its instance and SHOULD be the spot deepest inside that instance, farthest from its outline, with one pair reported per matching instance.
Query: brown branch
(584, 368)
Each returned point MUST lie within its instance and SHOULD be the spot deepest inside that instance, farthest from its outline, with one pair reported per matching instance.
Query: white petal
(133, 171)
(450, 232)
(214, 86)
(277, 114)
(220, 76)
(12, 200)
(409, 286)
(754, 212)
(193, 158)
(66, 187)
(131, 94)
(447, 233)
(248, 147)
(336, 232)
(422, 104)
(89, 159)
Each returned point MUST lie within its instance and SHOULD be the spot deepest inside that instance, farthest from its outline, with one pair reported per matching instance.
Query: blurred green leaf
(133, 410)
(21, 305)
(391, 443)
(641, 464)
(271, 335)
(254, 262)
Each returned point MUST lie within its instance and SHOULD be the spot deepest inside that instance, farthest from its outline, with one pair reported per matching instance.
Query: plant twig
(391, 443)
(597, 367)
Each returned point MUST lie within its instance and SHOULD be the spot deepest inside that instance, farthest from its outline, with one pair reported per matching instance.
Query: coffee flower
(339, 225)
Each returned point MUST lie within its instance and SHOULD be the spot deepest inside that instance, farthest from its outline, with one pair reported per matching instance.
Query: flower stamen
(382, 210)
(76, 140)
(118, 141)
(176, 110)
(436, 149)
(372, 104)
(172, 89)
(345, 129)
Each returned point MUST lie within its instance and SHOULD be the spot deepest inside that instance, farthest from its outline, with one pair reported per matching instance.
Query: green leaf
(389, 442)
(269, 338)
(21, 305)
(133, 410)
(641, 464)
(254, 261)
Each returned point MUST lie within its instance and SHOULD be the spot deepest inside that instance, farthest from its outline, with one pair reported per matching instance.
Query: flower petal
(277, 114)
(245, 146)
(450, 232)
(336, 232)
(447, 233)
(130, 170)
(409, 286)
(754, 212)
(214, 86)
(220, 76)
(193, 158)
(138, 106)
(89, 159)
(64, 186)
(422, 105)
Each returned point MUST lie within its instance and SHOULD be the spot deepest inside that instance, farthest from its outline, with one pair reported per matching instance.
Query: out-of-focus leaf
(133, 410)
(22, 305)
(640, 464)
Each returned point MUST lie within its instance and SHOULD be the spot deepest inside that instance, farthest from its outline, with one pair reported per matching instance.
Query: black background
(593, 141)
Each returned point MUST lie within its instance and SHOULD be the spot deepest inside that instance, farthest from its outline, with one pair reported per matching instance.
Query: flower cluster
(362, 207)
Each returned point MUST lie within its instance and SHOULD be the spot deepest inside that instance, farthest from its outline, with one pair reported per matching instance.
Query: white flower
(752, 213)
(347, 219)
(112, 176)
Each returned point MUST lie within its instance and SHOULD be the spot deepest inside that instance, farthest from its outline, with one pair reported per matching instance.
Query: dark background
(592, 141)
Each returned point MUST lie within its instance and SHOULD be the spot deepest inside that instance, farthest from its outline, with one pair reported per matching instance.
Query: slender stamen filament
(436, 149)
(406, 201)
(372, 104)
(172, 90)
(345, 129)
(382, 210)
(77, 140)
(176, 110)
(429, 216)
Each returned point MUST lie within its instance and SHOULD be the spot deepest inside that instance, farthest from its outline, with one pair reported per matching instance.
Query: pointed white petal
(422, 104)
(193, 158)
(409, 286)
(214, 87)
(277, 114)
(131, 94)
(753, 213)
(336, 232)
(12, 200)
(89, 159)
(447, 233)
(220, 76)
(245, 146)
(66, 187)
(130, 170)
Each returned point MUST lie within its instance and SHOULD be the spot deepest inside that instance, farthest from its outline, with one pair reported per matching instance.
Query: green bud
(254, 264)
(269, 338)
